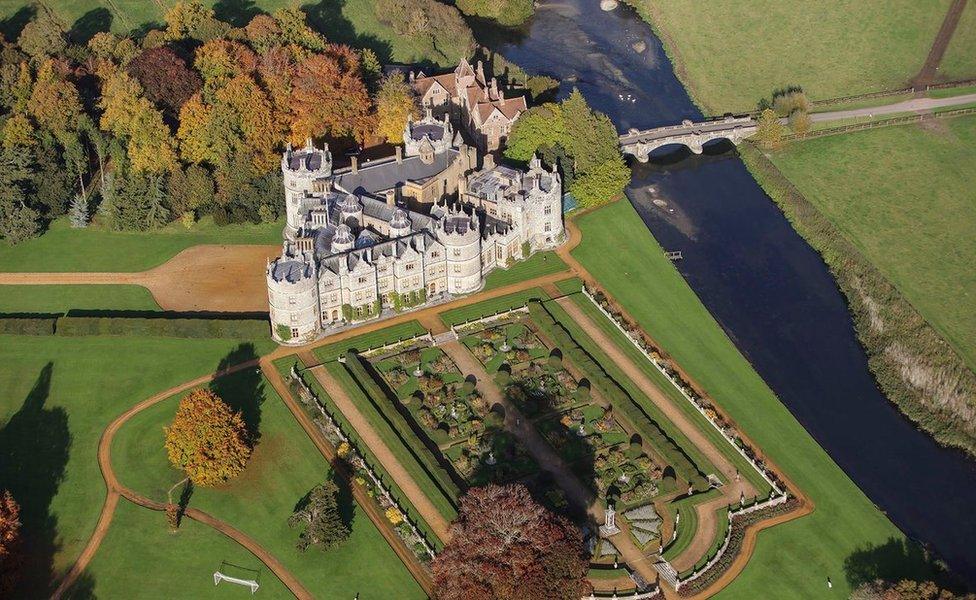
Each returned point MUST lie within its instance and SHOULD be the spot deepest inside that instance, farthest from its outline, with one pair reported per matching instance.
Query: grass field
(959, 61)
(792, 560)
(62, 248)
(140, 557)
(731, 53)
(537, 265)
(345, 21)
(284, 467)
(58, 395)
(489, 307)
(903, 196)
(62, 298)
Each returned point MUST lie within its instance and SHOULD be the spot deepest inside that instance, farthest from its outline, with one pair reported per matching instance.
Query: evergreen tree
(78, 213)
(319, 517)
(18, 221)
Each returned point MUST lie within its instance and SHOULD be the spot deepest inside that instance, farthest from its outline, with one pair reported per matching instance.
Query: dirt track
(928, 74)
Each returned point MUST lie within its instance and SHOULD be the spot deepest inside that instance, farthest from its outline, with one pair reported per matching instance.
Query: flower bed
(510, 343)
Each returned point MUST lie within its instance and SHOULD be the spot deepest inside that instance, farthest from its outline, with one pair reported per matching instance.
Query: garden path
(372, 439)
(116, 490)
(367, 504)
(547, 459)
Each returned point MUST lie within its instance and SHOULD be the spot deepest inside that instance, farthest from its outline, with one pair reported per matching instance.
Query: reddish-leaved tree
(165, 77)
(10, 556)
(505, 545)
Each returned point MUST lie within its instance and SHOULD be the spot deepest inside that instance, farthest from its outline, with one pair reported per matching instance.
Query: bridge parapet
(693, 135)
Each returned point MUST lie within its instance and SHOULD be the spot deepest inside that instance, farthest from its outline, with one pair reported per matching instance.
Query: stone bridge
(693, 135)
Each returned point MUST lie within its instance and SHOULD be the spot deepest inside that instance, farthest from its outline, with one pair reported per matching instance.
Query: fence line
(356, 456)
(759, 469)
(916, 118)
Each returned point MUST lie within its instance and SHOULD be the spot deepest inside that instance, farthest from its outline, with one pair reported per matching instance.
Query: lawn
(59, 395)
(731, 53)
(903, 196)
(537, 265)
(346, 21)
(959, 61)
(62, 248)
(140, 557)
(284, 467)
(62, 298)
(792, 560)
(492, 306)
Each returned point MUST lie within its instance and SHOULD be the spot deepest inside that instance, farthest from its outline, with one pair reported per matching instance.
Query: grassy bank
(731, 53)
(639, 276)
(904, 267)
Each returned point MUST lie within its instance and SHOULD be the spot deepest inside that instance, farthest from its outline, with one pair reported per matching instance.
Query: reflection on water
(767, 288)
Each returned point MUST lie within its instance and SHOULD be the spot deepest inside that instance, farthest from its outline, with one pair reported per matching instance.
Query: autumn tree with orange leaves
(10, 556)
(207, 440)
(505, 545)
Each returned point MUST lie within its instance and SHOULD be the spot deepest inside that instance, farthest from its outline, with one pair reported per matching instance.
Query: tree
(395, 102)
(43, 36)
(129, 114)
(320, 519)
(190, 189)
(328, 96)
(54, 101)
(190, 19)
(769, 131)
(505, 545)
(78, 213)
(18, 131)
(602, 183)
(905, 589)
(139, 203)
(207, 440)
(18, 221)
(167, 80)
(10, 543)
(540, 127)
(800, 121)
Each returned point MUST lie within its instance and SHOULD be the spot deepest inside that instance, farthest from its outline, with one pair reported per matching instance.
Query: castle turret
(293, 297)
(350, 211)
(428, 135)
(399, 224)
(343, 240)
(461, 237)
(301, 169)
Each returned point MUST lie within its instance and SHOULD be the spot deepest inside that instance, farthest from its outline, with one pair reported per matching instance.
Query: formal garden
(448, 409)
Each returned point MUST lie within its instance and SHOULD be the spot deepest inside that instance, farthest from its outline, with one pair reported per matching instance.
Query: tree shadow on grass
(895, 560)
(97, 20)
(325, 16)
(14, 24)
(34, 449)
(243, 391)
(236, 12)
(83, 588)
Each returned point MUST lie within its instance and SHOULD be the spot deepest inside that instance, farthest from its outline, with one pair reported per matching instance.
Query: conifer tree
(319, 517)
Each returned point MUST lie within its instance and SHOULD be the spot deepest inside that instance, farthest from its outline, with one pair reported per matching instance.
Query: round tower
(461, 235)
(300, 169)
(350, 210)
(293, 299)
(343, 240)
(399, 224)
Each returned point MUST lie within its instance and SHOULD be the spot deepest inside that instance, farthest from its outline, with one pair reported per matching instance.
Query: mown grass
(492, 306)
(284, 467)
(366, 341)
(140, 557)
(903, 197)
(62, 248)
(636, 272)
(731, 53)
(537, 265)
(959, 61)
(62, 298)
(58, 396)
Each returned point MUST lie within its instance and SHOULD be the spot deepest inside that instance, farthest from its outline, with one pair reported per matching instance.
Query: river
(768, 289)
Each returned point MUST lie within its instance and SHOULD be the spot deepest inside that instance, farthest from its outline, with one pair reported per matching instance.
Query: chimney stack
(391, 198)
(355, 164)
(399, 154)
(489, 162)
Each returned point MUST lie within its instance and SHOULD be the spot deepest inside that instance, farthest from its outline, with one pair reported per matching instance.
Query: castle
(399, 232)
(478, 103)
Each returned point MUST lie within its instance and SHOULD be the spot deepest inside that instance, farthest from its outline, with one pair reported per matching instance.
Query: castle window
(410, 266)
(291, 300)
(362, 279)
(435, 254)
(457, 252)
(294, 332)
(457, 268)
(548, 227)
(548, 210)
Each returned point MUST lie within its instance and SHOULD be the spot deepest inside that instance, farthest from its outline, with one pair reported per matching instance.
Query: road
(913, 105)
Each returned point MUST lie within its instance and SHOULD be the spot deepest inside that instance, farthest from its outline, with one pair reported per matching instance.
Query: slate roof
(291, 271)
(311, 159)
(376, 176)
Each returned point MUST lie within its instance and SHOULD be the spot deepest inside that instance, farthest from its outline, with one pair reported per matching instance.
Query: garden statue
(610, 525)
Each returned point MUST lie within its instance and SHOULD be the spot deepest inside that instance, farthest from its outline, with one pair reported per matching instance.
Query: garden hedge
(27, 325)
(617, 396)
(401, 427)
(162, 327)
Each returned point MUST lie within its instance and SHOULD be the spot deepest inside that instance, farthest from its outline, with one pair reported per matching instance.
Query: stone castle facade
(403, 231)
(476, 102)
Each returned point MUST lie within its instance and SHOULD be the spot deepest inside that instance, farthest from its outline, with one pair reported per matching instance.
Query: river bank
(912, 363)
(774, 298)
